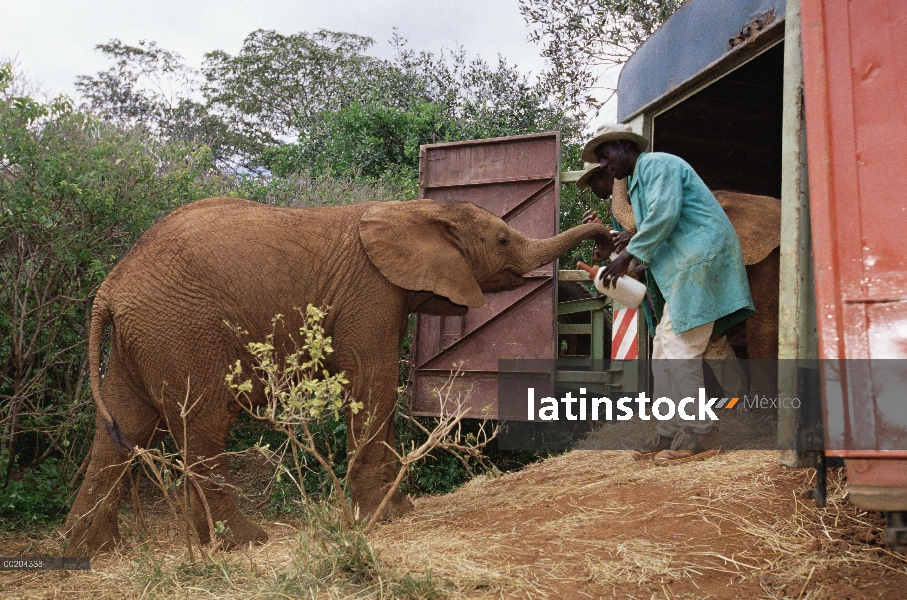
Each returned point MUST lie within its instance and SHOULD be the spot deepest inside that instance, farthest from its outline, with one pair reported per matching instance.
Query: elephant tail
(101, 317)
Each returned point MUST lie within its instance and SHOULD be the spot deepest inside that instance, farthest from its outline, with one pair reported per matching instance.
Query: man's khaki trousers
(677, 370)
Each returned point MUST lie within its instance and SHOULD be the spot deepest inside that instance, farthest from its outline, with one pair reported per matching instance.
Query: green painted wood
(797, 334)
(574, 329)
(598, 335)
(592, 377)
(586, 305)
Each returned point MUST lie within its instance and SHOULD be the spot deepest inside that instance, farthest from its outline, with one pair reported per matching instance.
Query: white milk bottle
(626, 290)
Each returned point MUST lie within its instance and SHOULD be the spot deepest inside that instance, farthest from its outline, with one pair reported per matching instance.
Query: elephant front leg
(762, 327)
(373, 466)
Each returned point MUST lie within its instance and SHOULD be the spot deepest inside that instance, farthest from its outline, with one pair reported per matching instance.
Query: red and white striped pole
(624, 338)
(624, 330)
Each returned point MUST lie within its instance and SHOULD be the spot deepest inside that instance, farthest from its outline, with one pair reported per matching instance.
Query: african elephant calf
(225, 260)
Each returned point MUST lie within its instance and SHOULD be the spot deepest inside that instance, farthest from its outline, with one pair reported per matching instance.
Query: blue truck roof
(684, 47)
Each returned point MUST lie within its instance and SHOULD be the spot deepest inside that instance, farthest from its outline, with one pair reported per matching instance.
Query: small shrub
(417, 587)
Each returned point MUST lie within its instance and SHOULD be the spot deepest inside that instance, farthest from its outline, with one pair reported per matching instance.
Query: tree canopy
(581, 38)
(318, 101)
(321, 102)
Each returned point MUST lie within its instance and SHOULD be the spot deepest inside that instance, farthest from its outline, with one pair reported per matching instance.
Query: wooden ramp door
(516, 178)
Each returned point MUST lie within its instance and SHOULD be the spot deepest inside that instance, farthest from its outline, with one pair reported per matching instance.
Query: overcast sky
(54, 40)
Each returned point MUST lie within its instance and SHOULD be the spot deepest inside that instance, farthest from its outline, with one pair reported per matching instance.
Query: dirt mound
(584, 524)
(597, 523)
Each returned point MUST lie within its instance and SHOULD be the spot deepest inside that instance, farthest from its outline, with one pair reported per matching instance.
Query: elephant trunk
(620, 206)
(541, 252)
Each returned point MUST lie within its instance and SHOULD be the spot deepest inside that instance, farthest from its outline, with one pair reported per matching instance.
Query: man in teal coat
(691, 250)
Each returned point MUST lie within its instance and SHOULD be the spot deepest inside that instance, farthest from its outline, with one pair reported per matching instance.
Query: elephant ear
(757, 221)
(441, 307)
(414, 244)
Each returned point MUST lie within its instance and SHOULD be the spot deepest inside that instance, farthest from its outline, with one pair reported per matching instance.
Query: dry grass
(311, 558)
(597, 522)
(585, 524)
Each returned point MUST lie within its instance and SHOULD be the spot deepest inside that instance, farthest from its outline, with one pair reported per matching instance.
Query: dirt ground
(598, 524)
(587, 524)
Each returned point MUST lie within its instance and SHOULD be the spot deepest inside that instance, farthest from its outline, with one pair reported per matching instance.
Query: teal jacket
(688, 244)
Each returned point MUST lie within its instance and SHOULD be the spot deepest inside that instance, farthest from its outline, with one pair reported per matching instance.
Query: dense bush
(74, 194)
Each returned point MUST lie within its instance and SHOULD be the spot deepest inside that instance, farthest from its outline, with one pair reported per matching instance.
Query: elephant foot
(243, 534)
(398, 505)
(238, 532)
(87, 539)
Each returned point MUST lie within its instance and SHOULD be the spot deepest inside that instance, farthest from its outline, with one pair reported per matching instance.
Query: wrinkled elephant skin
(757, 221)
(225, 260)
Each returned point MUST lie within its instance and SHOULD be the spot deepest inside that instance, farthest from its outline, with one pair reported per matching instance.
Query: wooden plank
(598, 335)
(797, 336)
(574, 329)
(572, 275)
(571, 176)
(586, 305)
(516, 179)
(600, 377)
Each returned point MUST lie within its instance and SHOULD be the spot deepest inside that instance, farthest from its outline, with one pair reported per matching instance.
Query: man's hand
(617, 269)
(620, 239)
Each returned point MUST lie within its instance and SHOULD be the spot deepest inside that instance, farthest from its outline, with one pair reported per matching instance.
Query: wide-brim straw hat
(610, 132)
(589, 169)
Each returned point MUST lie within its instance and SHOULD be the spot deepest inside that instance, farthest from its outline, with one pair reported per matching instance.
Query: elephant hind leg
(762, 327)
(219, 505)
(211, 498)
(92, 522)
